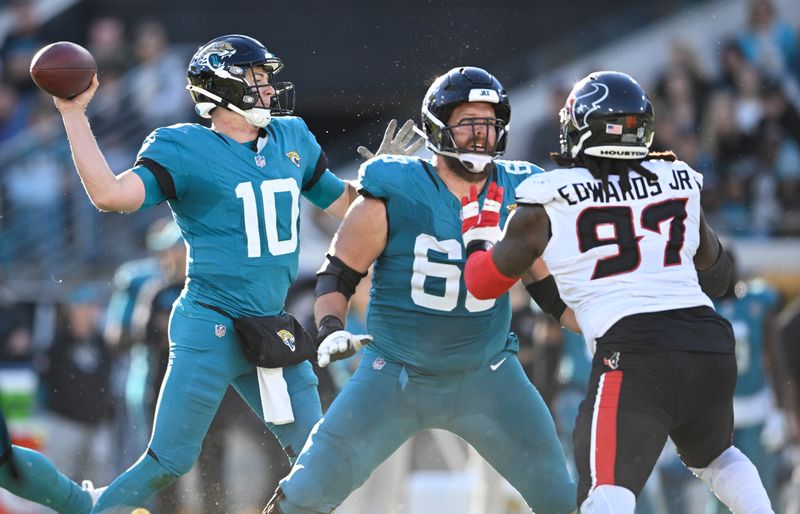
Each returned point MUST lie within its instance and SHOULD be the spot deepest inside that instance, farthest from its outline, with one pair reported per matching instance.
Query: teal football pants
(496, 409)
(205, 359)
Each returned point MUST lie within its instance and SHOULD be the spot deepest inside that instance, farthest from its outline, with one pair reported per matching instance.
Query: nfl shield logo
(260, 161)
(219, 330)
(378, 364)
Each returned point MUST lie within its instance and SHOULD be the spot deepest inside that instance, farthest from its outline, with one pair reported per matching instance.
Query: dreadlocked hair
(601, 168)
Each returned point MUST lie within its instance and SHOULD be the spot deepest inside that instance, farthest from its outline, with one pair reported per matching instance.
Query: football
(63, 69)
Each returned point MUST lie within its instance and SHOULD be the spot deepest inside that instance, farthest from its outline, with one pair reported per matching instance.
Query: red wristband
(483, 278)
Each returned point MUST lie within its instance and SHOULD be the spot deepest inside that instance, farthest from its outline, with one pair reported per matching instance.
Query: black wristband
(327, 326)
(545, 294)
(478, 245)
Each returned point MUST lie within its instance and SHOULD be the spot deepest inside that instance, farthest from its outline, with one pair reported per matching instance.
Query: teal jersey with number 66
(420, 311)
(238, 207)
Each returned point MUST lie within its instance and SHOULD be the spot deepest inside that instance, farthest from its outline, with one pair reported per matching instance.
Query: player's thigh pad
(201, 367)
(502, 415)
(367, 422)
(302, 384)
(623, 422)
(704, 426)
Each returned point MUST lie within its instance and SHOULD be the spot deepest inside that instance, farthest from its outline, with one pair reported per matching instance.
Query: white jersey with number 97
(615, 253)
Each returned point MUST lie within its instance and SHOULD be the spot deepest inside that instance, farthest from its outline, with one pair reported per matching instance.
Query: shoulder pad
(518, 167)
(541, 188)
(385, 174)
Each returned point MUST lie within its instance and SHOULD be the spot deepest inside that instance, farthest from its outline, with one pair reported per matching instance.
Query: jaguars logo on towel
(294, 157)
(287, 338)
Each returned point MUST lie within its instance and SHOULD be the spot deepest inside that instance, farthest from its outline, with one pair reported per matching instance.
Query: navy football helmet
(607, 114)
(459, 85)
(217, 78)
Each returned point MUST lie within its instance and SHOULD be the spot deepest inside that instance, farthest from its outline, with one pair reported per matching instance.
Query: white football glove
(400, 144)
(340, 345)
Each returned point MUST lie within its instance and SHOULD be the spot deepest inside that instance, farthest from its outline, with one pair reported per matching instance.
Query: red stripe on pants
(606, 436)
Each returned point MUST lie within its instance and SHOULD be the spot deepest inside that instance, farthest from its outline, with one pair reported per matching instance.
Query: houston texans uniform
(238, 208)
(440, 357)
(663, 358)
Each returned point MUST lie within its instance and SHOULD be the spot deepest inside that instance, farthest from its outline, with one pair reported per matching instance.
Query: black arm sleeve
(716, 279)
(545, 294)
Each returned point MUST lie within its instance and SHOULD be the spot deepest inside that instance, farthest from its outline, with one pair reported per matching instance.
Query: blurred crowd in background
(80, 379)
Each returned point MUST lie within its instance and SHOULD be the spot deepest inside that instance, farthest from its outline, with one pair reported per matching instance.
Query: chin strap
(256, 116)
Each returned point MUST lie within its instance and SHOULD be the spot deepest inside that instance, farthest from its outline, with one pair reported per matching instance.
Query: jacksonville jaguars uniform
(752, 400)
(663, 360)
(440, 357)
(238, 208)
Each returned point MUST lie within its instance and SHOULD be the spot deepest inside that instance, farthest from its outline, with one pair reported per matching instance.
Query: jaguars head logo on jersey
(287, 338)
(294, 157)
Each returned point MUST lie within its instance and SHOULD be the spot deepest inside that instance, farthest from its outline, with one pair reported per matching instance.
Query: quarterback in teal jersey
(440, 358)
(234, 190)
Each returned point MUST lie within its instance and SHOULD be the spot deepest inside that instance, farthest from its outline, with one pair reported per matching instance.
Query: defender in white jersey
(623, 234)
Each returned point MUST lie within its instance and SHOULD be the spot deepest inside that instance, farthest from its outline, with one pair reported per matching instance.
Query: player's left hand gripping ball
(481, 224)
(340, 345)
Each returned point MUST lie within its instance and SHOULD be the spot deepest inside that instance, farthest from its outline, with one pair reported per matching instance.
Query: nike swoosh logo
(494, 367)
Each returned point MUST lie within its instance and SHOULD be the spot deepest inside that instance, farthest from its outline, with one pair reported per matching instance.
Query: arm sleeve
(159, 166)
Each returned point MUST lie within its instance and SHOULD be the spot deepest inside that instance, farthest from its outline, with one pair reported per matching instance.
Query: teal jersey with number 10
(420, 311)
(238, 208)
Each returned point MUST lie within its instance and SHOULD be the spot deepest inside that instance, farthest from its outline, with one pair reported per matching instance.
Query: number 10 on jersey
(269, 192)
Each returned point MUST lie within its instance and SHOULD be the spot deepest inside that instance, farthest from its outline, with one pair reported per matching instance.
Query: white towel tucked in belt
(275, 400)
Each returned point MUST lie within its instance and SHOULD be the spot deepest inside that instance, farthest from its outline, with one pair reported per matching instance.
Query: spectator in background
(15, 112)
(779, 132)
(34, 187)
(682, 89)
(769, 42)
(117, 334)
(108, 46)
(731, 60)
(158, 86)
(76, 378)
(19, 47)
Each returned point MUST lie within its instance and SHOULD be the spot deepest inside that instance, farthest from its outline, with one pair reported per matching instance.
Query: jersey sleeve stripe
(161, 174)
(322, 165)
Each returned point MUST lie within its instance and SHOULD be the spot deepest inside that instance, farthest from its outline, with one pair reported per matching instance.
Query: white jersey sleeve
(615, 253)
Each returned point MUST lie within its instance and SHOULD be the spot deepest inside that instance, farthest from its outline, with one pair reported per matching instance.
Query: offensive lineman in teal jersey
(758, 424)
(234, 192)
(440, 358)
